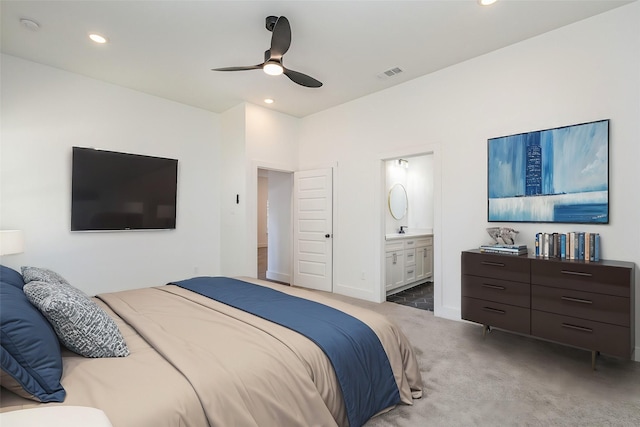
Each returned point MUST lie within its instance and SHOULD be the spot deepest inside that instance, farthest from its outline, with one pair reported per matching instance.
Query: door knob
(327, 235)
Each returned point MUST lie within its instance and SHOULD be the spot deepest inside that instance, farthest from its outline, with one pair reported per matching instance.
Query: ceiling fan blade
(248, 67)
(302, 79)
(281, 38)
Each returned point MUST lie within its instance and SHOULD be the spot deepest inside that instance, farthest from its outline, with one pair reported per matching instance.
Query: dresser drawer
(410, 257)
(426, 241)
(504, 291)
(581, 276)
(394, 246)
(410, 274)
(585, 305)
(502, 316)
(610, 339)
(505, 267)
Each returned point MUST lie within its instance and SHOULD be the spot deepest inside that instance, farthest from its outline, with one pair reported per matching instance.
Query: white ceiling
(167, 48)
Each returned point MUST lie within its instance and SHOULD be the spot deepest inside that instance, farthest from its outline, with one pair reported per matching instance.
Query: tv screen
(120, 191)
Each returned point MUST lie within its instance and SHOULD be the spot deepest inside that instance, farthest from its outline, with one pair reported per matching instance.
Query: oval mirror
(398, 201)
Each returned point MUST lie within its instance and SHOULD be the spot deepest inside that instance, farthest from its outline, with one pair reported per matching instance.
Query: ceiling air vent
(390, 72)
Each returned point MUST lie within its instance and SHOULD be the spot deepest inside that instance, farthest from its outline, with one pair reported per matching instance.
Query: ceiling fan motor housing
(271, 22)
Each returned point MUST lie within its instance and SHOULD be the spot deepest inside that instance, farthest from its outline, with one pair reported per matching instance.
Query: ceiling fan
(280, 42)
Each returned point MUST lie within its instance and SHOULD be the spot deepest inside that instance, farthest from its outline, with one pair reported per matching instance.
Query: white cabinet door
(394, 269)
(388, 271)
(428, 267)
(424, 259)
(421, 254)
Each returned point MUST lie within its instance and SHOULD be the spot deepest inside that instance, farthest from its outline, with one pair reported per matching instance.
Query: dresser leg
(485, 329)
(594, 354)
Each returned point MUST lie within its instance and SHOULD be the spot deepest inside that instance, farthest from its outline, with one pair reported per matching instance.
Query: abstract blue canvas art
(553, 175)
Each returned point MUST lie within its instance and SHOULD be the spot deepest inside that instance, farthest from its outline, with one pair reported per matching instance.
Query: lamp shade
(11, 242)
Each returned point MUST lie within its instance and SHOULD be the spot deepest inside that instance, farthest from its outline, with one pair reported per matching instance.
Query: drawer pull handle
(493, 310)
(580, 300)
(494, 264)
(410, 272)
(577, 328)
(500, 288)
(576, 273)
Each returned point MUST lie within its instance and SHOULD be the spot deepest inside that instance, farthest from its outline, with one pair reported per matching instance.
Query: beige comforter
(196, 361)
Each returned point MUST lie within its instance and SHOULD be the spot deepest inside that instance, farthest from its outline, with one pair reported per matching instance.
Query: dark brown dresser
(590, 305)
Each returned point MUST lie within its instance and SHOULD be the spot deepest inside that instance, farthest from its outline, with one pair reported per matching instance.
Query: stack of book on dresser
(504, 249)
(578, 245)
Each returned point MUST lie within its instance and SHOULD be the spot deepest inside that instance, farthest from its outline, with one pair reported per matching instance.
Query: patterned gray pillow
(37, 274)
(81, 325)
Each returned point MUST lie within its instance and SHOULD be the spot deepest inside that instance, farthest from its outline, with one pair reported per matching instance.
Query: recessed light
(98, 38)
(486, 2)
(30, 24)
(268, 101)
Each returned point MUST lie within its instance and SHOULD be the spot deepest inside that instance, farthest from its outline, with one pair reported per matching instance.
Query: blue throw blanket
(358, 358)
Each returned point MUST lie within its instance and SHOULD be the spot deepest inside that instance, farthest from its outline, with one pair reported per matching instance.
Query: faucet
(402, 227)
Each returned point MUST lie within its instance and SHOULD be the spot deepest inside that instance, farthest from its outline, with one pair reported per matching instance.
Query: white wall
(263, 198)
(417, 180)
(395, 175)
(583, 72)
(234, 202)
(46, 111)
(271, 142)
(420, 190)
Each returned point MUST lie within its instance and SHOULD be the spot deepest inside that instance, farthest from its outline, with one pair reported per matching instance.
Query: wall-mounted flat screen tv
(558, 175)
(121, 191)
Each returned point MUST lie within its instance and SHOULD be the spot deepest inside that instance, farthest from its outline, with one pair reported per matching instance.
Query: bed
(196, 361)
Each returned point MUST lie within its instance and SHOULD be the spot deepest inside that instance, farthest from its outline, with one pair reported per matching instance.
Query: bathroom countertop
(408, 234)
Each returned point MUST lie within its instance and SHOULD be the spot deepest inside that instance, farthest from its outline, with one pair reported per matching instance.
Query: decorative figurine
(502, 235)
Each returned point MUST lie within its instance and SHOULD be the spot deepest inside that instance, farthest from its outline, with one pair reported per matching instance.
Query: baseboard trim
(362, 294)
(451, 313)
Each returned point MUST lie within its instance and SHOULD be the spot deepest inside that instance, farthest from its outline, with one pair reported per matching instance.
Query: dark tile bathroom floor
(420, 296)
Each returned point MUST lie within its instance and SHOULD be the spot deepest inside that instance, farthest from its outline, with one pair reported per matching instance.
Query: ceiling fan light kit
(273, 68)
(272, 65)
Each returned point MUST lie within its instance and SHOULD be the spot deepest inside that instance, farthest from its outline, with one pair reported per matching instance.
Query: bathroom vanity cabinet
(408, 261)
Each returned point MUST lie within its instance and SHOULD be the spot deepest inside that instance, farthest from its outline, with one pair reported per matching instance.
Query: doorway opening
(409, 226)
(274, 225)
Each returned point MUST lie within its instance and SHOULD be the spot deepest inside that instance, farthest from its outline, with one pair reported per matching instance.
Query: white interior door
(313, 229)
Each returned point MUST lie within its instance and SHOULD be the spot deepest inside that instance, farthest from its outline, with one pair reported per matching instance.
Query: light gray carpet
(507, 379)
